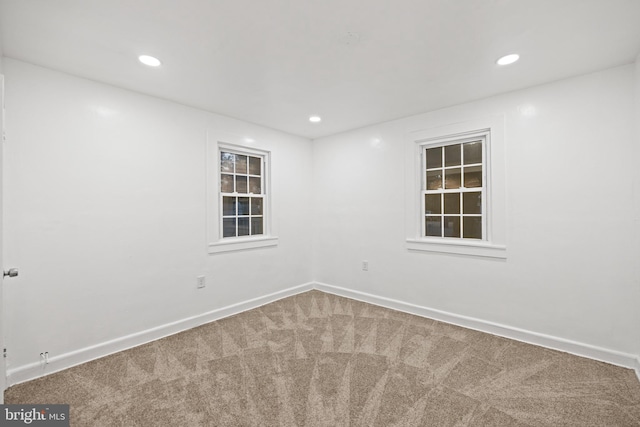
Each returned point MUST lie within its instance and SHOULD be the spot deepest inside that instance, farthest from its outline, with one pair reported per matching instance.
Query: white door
(3, 366)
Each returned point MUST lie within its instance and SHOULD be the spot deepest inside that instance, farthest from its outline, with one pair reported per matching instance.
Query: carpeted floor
(316, 359)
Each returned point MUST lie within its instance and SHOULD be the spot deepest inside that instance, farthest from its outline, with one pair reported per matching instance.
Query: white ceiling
(354, 62)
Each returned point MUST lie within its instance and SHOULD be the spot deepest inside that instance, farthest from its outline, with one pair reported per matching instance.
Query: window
(238, 194)
(241, 194)
(456, 189)
(453, 189)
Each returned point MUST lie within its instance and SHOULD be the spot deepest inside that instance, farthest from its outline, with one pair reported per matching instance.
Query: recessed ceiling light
(315, 119)
(149, 60)
(508, 59)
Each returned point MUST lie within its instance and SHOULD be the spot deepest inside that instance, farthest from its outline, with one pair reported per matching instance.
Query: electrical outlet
(365, 265)
(200, 282)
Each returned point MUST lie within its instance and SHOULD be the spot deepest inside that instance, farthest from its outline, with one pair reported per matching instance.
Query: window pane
(473, 176)
(226, 183)
(472, 203)
(472, 152)
(243, 226)
(434, 180)
(254, 185)
(256, 226)
(226, 162)
(434, 158)
(256, 206)
(228, 206)
(254, 165)
(241, 184)
(229, 227)
(452, 155)
(243, 206)
(452, 203)
(432, 204)
(433, 226)
(451, 226)
(452, 178)
(241, 164)
(472, 227)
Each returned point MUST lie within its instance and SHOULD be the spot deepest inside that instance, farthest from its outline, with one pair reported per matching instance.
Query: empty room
(336, 213)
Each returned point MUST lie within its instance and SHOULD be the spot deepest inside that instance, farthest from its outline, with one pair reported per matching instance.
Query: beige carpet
(316, 359)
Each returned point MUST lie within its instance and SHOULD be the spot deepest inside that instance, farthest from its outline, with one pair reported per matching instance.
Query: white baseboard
(77, 357)
(64, 361)
(579, 349)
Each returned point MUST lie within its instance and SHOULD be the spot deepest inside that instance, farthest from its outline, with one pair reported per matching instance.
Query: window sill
(480, 249)
(241, 244)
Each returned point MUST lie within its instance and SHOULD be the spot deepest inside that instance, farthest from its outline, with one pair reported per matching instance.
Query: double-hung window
(453, 189)
(238, 195)
(242, 195)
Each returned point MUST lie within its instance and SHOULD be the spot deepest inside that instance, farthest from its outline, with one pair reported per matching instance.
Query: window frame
(493, 244)
(216, 243)
(482, 136)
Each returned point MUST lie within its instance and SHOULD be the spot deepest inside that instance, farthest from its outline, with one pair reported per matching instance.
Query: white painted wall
(637, 181)
(571, 270)
(105, 214)
(3, 376)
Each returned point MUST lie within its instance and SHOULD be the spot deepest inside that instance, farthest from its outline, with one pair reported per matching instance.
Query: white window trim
(494, 244)
(217, 141)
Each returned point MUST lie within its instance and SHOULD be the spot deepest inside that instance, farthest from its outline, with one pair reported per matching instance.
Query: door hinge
(4, 352)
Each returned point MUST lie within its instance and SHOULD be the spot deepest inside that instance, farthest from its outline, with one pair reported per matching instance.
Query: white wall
(1, 53)
(571, 270)
(637, 177)
(105, 214)
(2, 267)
